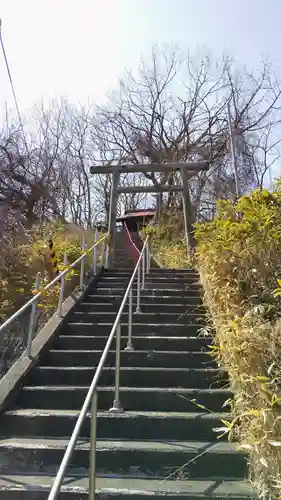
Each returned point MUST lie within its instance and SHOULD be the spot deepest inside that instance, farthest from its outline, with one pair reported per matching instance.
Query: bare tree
(49, 179)
(175, 109)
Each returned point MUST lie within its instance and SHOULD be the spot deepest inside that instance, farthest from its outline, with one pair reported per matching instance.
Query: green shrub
(239, 260)
(169, 243)
(28, 257)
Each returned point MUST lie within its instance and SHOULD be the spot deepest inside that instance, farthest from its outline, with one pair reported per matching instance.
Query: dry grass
(239, 260)
(27, 256)
(20, 264)
(169, 243)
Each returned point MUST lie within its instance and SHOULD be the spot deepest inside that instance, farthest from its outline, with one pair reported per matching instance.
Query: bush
(239, 260)
(168, 242)
(26, 258)
(23, 260)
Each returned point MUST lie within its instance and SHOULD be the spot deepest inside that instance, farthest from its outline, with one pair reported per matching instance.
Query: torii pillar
(112, 219)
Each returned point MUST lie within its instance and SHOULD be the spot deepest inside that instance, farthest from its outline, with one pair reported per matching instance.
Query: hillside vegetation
(28, 255)
(239, 259)
(22, 259)
(168, 241)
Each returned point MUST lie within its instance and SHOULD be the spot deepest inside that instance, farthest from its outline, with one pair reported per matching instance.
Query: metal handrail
(91, 397)
(131, 240)
(60, 277)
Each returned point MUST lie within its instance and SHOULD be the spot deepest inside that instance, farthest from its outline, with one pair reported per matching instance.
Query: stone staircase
(171, 390)
(123, 257)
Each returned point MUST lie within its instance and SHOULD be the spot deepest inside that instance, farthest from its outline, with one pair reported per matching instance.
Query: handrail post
(95, 254)
(106, 256)
(32, 318)
(93, 446)
(143, 270)
(103, 254)
(82, 265)
(62, 284)
(147, 258)
(130, 346)
(138, 310)
(117, 407)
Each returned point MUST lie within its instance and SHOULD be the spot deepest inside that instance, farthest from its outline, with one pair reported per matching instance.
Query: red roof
(137, 213)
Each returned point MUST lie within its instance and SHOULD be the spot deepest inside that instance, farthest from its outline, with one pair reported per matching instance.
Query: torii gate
(187, 171)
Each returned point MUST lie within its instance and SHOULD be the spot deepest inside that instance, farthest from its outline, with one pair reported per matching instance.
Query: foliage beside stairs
(169, 243)
(239, 258)
(28, 254)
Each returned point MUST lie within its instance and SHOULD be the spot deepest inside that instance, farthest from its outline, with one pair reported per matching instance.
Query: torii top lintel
(190, 167)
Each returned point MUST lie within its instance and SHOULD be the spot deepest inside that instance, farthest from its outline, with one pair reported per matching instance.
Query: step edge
(110, 486)
(108, 388)
(189, 447)
(33, 412)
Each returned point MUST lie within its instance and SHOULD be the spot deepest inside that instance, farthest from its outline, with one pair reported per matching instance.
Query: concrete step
(147, 297)
(146, 342)
(139, 377)
(164, 280)
(36, 486)
(123, 262)
(184, 318)
(154, 272)
(133, 398)
(137, 358)
(141, 459)
(154, 307)
(174, 269)
(170, 270)
(157, 292)
(128, 425)
(150, 285)
(162, 269)
(88, 327)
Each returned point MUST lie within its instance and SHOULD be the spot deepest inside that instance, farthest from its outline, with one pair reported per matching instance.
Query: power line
(12, 85)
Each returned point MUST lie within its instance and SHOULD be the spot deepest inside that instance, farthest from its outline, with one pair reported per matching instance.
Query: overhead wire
(12, 86)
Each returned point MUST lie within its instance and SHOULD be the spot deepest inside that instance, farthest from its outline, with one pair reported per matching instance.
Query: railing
(92, 397)
(134, 250)
(32, 303)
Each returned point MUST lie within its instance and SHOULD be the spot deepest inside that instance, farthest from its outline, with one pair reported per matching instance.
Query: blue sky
(79, 48)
